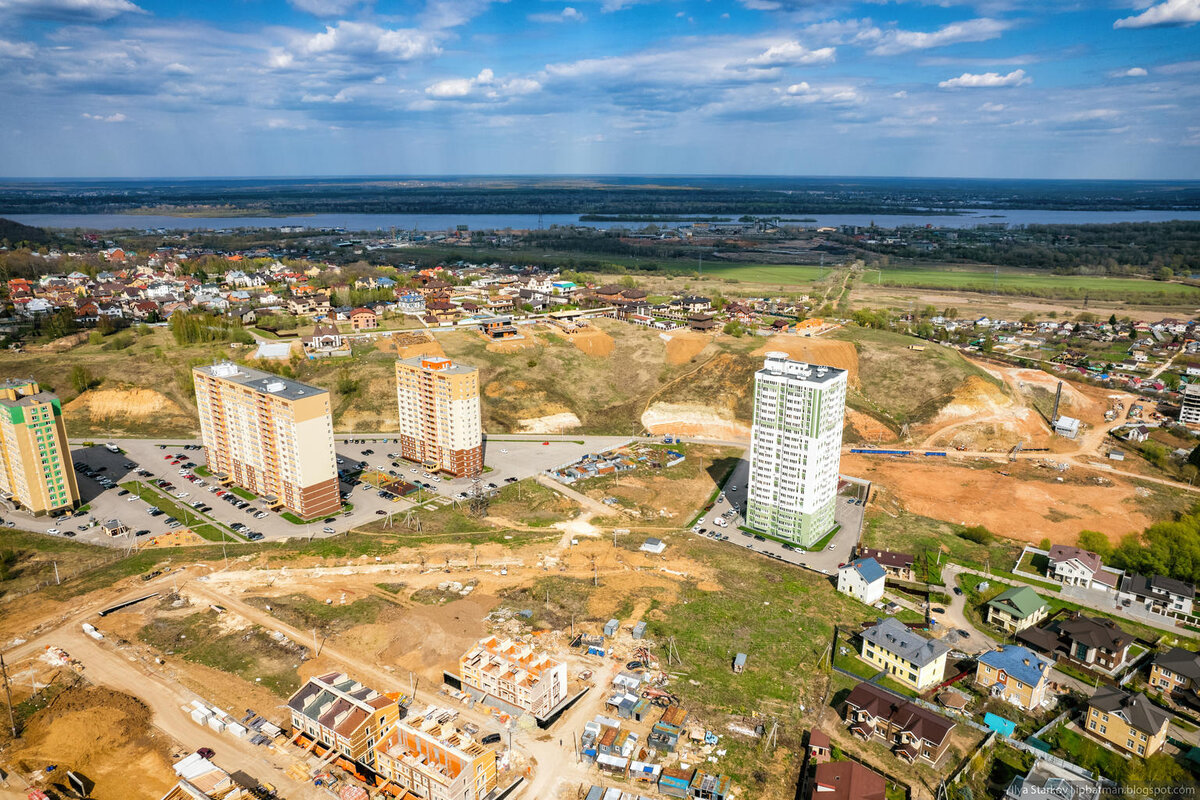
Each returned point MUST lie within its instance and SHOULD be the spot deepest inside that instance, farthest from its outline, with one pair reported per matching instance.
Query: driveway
(955, 616)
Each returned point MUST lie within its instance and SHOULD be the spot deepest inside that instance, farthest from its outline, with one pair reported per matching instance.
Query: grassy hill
(549, 376)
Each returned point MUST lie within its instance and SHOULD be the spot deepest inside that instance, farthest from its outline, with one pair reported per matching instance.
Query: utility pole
(12, 720)
(57, 580)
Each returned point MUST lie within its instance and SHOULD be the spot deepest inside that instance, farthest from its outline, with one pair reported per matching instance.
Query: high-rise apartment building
(440, 424)
(270, 435)
(795, 449)
(37, 473)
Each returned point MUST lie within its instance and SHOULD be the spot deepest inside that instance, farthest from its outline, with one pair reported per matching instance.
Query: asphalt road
(848, 515)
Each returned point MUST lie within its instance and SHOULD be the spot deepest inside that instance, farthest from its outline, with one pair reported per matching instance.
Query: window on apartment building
(1092, 724)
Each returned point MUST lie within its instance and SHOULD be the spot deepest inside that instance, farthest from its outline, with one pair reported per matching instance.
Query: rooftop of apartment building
(778, 364)
(262, 382)
(439, 364)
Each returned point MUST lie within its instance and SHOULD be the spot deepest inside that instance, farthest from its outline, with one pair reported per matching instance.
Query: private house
(1045, 779)
(701, 323)
(410, 303)
(862, 579)
(342, 715)
(820, 747)
(364, 319)
(1177, 673)
(514, 673)
(847, 780)
(1077, 567)
(1016, 609)
(911, 731)
(326, 340)
(905, 655)
(896, 565)
(1096, 643)
(1158, 594)
(1014, 674)
(1129, 722)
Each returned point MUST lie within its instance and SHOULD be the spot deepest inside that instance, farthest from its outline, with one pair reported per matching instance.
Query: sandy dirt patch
(684, 345)
(1026, 505)
(183, 537)
(117, 404)
(694, 419)
(592, 341)
(104, 735)
(410, 345)
(869, 428)
(527, 342)
(551, 423)
(841, 355)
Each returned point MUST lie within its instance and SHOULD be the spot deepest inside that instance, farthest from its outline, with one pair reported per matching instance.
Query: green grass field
(1018, 281)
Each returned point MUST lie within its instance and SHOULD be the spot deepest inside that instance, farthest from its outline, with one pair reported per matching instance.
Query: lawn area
(1038, 283)
(243, 493)
(250, 653)
(933, 541)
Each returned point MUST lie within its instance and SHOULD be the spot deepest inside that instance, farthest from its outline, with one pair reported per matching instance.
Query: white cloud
(987, 80)
(973, 30)
(992, 108)
(281, 124)
(16, 49)
(363, 39)
(178, 69)
(1134, 72)
(568, 14)
(793, 53)
(323, 8)
(71, 10)
(117, 117)
(483, 86)
(1166, 14)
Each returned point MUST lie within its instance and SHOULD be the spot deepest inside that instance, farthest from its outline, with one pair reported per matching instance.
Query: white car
(720, 522)
(502, 450)
(414, 470)
(53, 531)
(181, 495)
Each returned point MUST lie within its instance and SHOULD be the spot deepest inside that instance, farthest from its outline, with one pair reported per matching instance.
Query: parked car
(491, 738)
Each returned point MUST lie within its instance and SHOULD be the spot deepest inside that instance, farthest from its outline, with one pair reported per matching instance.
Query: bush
(977, 534)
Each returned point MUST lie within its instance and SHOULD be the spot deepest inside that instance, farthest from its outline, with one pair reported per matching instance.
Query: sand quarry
(127, 405)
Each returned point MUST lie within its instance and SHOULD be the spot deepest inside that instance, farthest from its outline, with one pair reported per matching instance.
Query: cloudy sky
(986, 88)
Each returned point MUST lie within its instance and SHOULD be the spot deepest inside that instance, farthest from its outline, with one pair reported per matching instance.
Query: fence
(64, 577)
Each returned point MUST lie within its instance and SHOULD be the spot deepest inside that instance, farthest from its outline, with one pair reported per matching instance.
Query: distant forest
(1113, 249)
(603, 196)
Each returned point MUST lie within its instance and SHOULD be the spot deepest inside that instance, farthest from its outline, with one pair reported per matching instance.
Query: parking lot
(848, 513)
(506, 459)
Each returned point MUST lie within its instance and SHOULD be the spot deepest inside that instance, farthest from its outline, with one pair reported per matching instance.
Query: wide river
(442, 222)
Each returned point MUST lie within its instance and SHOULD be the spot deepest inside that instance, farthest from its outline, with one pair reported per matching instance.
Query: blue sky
(957, 88)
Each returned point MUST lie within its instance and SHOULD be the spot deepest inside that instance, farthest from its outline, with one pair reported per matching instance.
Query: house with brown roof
(1075, 566)
(896, 565)
(847, 780)
(364, 319)
(326, 340)
(1097, 643)
(911, 731)
(340, 714)
(1128, 721)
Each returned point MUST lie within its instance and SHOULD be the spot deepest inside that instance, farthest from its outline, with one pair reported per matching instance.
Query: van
(491, 738)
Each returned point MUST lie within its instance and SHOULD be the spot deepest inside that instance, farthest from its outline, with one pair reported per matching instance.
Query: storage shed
(611, 627)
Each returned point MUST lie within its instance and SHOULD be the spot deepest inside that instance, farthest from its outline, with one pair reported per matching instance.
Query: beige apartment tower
(440, 423)
(270, 435)
(37, 473)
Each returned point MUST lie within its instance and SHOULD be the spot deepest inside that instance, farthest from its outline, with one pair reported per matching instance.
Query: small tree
(1095, 541)
(82, 379)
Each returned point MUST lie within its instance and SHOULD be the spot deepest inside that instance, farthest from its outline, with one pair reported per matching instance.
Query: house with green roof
(1016, 609)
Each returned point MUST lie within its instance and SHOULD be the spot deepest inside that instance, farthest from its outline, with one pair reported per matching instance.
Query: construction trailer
(611, 627)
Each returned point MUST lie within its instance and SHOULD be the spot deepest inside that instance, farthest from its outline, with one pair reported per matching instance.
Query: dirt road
(105, 665)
